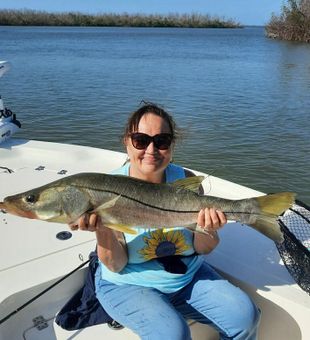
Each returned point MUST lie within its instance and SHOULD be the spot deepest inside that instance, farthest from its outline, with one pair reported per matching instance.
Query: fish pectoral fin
(106, 205)
(57, 219)
(189, 183)
(122, 227)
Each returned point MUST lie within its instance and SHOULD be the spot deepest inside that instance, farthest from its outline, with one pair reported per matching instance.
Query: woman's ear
(125, 141)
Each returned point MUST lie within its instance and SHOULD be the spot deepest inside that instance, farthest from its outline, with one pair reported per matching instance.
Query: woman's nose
(151, 148)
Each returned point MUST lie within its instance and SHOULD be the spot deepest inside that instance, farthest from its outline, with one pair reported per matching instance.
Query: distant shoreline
(40, 18)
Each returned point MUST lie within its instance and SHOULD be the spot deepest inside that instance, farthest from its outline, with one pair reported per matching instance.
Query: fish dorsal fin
(189, 183)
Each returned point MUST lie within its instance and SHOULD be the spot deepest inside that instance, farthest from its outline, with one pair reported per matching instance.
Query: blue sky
(247, 12)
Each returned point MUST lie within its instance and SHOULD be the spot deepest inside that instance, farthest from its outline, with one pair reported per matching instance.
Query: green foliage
(293, 23)
(39, 18)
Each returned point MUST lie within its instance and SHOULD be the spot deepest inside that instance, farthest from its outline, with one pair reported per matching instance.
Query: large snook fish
(124, 202)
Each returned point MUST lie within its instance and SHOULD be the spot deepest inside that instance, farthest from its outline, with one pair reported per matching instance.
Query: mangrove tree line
(42, 18)
(293, 23)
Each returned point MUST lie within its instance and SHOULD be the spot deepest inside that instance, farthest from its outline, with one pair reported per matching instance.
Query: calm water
(242, 100)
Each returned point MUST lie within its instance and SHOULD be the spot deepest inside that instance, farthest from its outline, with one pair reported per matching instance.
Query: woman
(153, 281)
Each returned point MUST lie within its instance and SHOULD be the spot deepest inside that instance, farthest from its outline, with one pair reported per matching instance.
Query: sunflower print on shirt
(164, 242)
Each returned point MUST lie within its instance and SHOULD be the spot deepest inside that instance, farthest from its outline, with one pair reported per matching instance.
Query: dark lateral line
(140, 202)
(164, 209)
(150, 205)
(170, 210)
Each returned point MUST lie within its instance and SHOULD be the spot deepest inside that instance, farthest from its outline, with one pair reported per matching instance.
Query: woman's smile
(149, 163)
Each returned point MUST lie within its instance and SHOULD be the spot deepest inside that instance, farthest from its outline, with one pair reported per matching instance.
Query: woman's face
(150, 163)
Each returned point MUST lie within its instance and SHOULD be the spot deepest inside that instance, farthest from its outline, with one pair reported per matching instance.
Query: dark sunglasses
(141, 141)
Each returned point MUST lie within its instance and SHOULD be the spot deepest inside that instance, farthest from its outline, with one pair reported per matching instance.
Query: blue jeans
(208, 299)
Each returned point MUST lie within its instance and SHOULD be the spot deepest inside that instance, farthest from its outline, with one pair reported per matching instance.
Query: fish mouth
(14, 210)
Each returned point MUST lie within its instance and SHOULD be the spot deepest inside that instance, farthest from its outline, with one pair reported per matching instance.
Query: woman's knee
(245, 320)
(178, 330)
(238, 316)
(146, 311)
(166, 325)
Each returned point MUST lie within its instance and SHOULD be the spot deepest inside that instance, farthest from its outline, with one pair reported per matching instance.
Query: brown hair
(135, 117)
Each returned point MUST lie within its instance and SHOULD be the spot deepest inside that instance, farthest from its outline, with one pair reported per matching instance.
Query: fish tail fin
(275, 204)
(271, 206)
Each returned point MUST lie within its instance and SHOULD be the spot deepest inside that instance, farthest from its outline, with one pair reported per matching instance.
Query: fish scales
(143, 203)
(161, 196)
(123, 201)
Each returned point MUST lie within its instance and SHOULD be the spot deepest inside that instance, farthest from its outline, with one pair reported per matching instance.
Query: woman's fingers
(73, 226)
(215, 222)
(88, 222)
(93, 222)
(222, 217)
(200, 219)
(211, 219)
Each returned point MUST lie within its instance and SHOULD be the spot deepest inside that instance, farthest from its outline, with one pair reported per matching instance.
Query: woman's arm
(210, 220)
(111, 246)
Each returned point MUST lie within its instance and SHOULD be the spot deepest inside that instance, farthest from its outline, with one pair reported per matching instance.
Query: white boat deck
(32, 257)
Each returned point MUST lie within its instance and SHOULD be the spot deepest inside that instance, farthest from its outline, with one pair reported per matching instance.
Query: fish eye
(30, 198)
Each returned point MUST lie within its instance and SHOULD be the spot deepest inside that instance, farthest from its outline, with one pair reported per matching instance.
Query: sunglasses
(141, 141)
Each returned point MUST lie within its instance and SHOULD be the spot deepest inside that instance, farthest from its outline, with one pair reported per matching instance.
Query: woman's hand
(210, 220)
(111, 245)
(89, 222)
